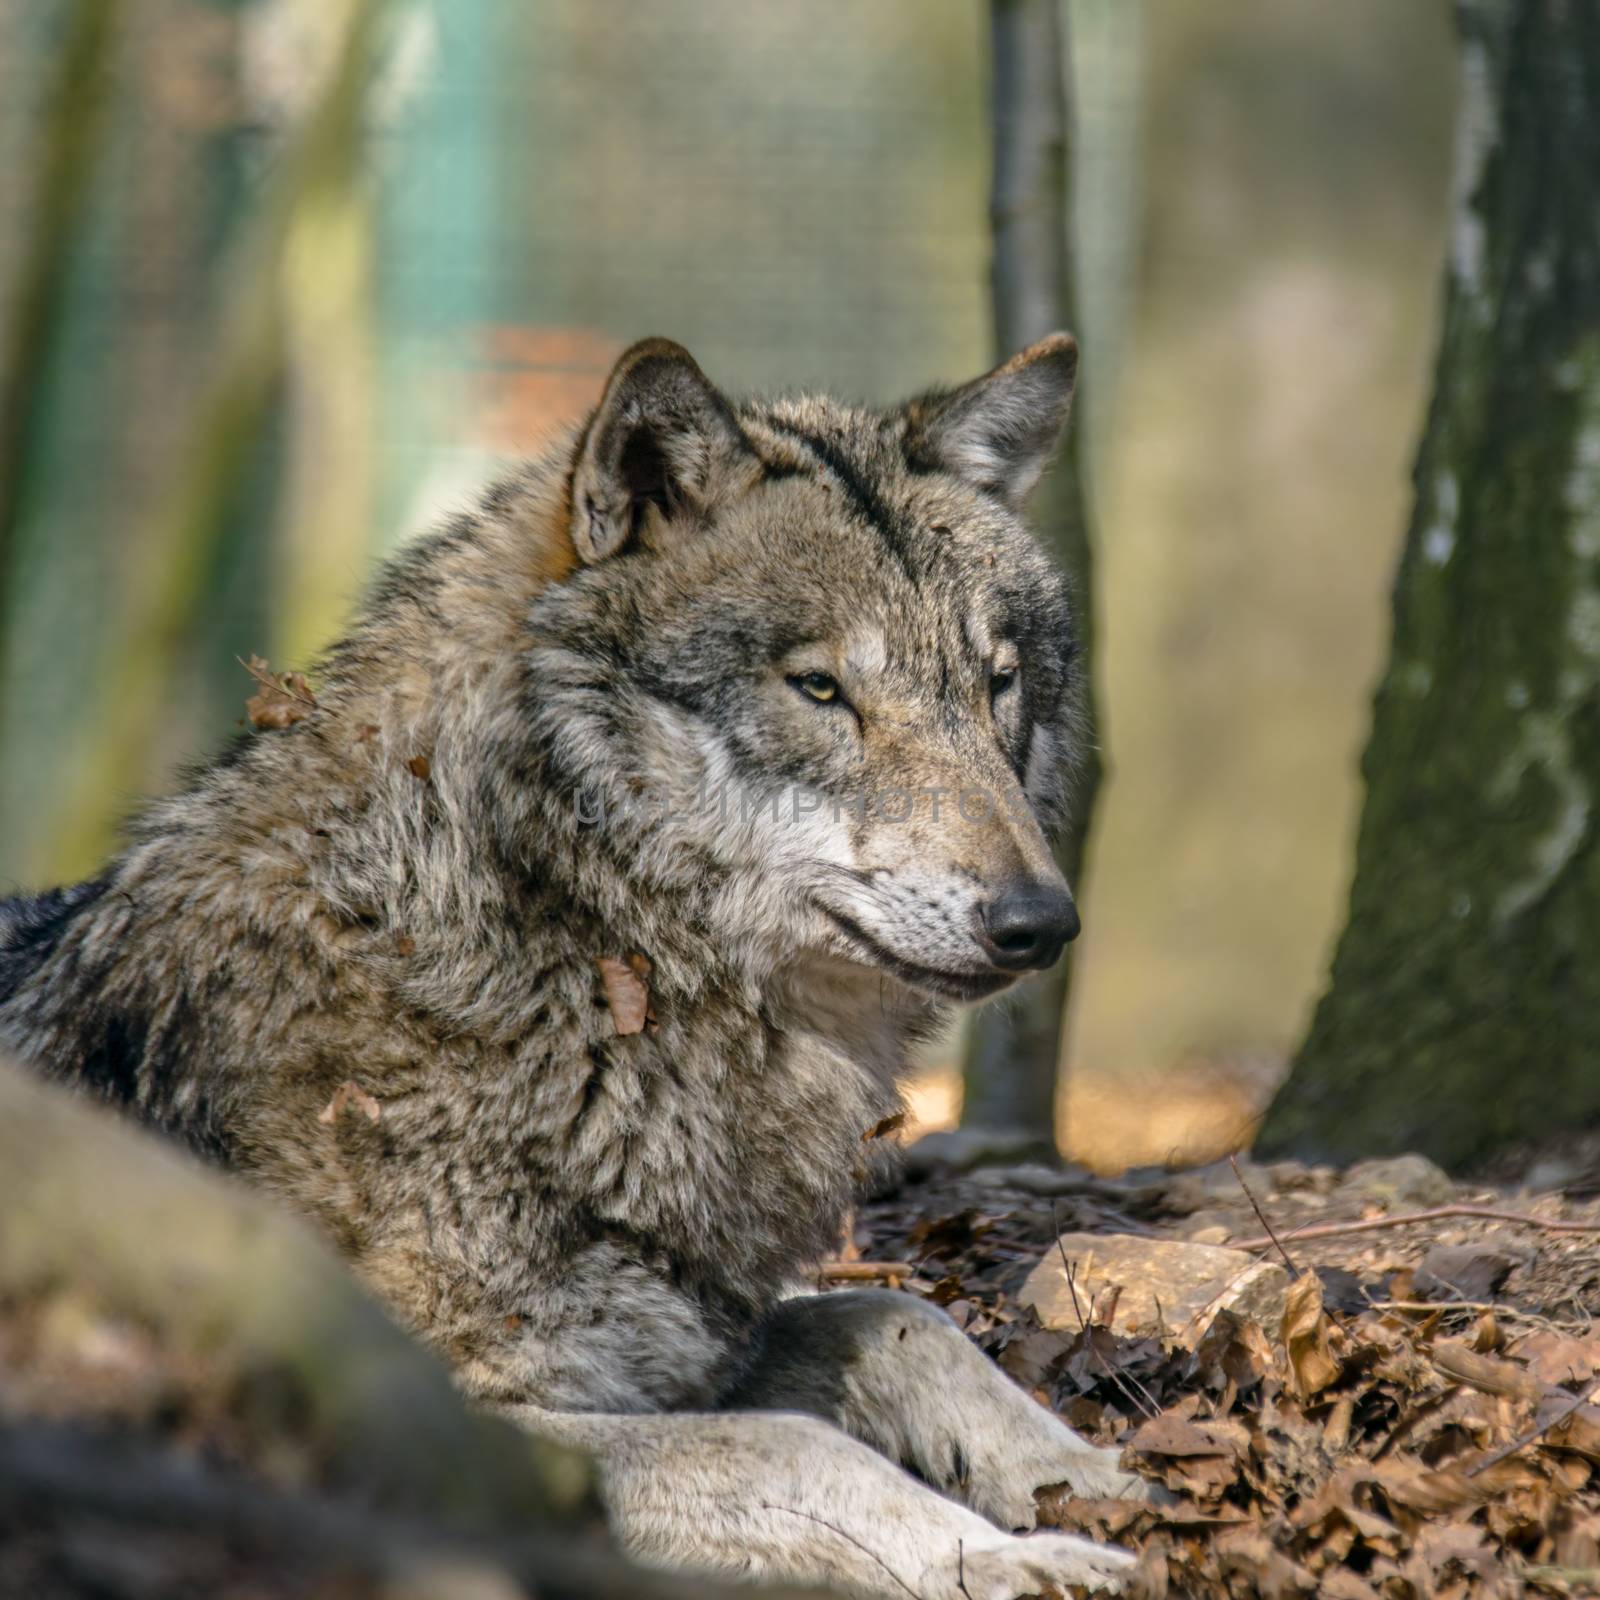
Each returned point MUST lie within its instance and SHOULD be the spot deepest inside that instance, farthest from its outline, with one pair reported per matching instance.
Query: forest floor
(1406, 1418)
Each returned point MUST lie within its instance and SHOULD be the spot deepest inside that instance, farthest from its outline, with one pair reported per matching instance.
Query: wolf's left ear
(662, 436)
(1000, 431)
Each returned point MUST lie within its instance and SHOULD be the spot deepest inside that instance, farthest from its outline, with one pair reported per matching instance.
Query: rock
(1164, 1281)
(1033, 1177)
(1204, 1188)
(962, 1149)
(1462, 1272)
(1551, 1174)
(1401, 1182)
(1288, 1176)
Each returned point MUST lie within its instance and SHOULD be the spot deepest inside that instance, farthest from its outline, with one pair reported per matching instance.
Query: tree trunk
(1013, 1049)
(63, 165)
(1464, 1003)
(182, 535)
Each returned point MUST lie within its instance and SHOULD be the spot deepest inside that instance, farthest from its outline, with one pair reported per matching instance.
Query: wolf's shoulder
(31, 925)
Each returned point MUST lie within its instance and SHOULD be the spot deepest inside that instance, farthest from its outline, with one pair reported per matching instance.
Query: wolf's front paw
(1004, 1491)
(1007, 1568)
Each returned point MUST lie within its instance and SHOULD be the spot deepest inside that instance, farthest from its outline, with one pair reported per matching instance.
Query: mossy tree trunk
(1009, 1077)
(1463, 1011)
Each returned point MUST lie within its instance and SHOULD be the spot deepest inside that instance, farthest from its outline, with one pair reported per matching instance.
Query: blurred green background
(336, 259)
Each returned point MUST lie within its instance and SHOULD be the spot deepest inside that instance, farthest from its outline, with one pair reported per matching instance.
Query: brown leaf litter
(1389, 1438)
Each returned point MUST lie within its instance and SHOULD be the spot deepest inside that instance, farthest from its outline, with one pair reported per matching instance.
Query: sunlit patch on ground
(1187, 1114)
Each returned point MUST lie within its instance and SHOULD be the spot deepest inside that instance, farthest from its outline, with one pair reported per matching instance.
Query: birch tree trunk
(1013, 1049)
(1463, 1010)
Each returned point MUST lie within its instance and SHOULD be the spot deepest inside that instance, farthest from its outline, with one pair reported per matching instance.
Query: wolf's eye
(1001, 679)
(816, 686)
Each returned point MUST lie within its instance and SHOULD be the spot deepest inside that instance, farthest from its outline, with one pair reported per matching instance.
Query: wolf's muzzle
(1026, 928)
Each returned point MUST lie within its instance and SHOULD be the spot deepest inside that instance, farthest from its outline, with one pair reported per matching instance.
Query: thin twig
(1495, 1457)
(1261, 1217)
(1147, 1405)
(1072, 1286)
(849, 1538)
(1510, 1313)
(1329, 1230)
(1272, 1238)
(1072, 1289)
(865, 1271)
(1568, 1575)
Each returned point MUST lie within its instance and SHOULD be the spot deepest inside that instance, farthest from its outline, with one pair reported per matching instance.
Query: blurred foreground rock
(298, 1442)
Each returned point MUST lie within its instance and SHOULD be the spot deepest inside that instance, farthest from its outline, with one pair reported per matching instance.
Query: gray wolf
(766, 706)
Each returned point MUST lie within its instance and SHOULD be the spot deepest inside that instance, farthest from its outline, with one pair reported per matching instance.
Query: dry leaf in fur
(627, 986)
(882, 1130)
(346, 1097)
(282, 699)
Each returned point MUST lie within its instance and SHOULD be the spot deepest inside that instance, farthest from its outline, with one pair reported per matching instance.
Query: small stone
(1033, 1177)
(1401, 1182)
(1204, 1188)
(1288, 1176)
(1212, 1226)
(1179, 1285)
(1462, 1272)
(1551, 1175)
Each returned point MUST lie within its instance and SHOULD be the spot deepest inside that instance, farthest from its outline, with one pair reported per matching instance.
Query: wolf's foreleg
(776, 1497)
(898, 1374)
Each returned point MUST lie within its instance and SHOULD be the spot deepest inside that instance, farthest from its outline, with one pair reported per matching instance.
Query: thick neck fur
(408, 891)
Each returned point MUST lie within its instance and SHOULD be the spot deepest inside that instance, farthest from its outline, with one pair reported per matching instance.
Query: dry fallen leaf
(627, 986)
(883, 1128)
(1579, 1432)
(1357, 1448)
(1486, 1373)
(1307, 1335)
(1172, 1435)
(282, 699)
(1555, 1357)
(346, 1096)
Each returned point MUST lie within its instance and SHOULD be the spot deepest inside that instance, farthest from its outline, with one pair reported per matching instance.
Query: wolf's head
(814, 649)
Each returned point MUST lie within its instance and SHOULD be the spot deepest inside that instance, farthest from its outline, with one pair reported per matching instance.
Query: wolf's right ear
(662, 436)
(1000, 431)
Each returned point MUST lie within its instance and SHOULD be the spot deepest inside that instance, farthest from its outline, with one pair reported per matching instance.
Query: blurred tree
(1465, 998)
(1009, 1076)
(68, 140)
(183, 536)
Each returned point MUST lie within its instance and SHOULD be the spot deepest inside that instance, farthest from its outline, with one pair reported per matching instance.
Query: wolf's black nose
(1026, 928)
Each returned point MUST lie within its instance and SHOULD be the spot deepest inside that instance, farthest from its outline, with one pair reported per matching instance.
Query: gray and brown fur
(507, 776)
